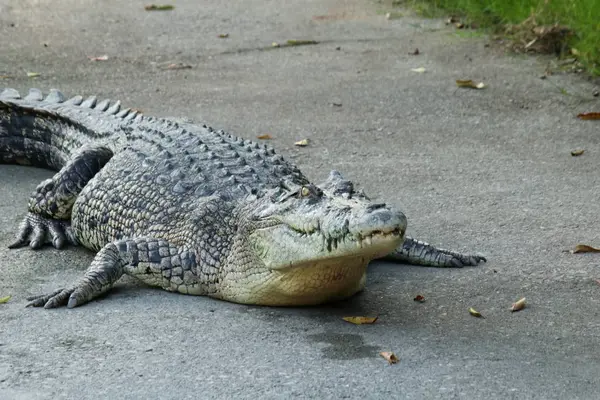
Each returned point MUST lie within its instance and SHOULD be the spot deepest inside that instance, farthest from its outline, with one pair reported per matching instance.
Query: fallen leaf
(584, 248)
(4, 300)
(265, 136)
(419, 298)
(101, 58)
(475, 313)
(389, 356)
(223, 35)
(419, 70)
(179, 66)
(302, 143)
(155, 7)
(518, 306)
(415, 52)
(33, 74)
(336, 104)
(294, 42)
(459, 25)
(360, 320)
(393, 15)
(577, 152)
(589, 115)
(469, 84)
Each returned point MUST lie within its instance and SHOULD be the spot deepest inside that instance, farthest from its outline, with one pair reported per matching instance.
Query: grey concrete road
(487, 170)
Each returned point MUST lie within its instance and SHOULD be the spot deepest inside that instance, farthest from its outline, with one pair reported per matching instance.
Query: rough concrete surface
(483, 170)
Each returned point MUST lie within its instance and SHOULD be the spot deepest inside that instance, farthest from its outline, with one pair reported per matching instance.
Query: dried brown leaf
(294, 42)
(179, 66)
(419, 298)
(577, 152)
(468, 83)
(5, 299)
(264, 136)
(158, 7)
(100, 58)
(360, 320)
(389, 356)
(223, 35)
(393, 15)
(475, 313)
(302, 143)
(584, 248)
(589, 115)
(518, 306)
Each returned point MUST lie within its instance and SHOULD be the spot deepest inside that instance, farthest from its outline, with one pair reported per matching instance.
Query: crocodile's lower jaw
(313, 282)
(321, 282)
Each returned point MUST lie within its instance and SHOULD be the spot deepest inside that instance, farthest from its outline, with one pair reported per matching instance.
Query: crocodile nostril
(375, 206)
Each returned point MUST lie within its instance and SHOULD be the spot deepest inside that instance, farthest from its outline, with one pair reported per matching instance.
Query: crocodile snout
(379, 219)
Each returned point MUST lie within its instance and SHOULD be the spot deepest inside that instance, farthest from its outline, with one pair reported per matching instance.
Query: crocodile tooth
(103, 105)
(55, 96)
(9, 93)
(76, 100)
(34, 95)
(123, 112)
(114, 108)
(90, 102)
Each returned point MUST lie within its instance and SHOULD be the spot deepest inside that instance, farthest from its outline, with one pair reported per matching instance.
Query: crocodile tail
(46, 131)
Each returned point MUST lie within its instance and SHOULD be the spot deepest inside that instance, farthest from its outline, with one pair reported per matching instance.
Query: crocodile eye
(304, 191)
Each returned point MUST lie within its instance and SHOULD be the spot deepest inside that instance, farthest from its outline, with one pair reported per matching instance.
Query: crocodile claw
(36, 230)
(58, 298)
(466, 260)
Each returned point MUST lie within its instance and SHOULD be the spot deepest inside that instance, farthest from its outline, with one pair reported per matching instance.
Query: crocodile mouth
(348, 239)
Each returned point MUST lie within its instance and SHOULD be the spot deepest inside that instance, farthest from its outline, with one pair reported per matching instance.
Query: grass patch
(581, 17)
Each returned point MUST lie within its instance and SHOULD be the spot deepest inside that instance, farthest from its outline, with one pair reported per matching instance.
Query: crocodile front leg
(154, 261)
(417, 252)
(51, 203)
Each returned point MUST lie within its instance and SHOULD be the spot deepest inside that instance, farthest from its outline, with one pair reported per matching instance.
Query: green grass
(581, 16)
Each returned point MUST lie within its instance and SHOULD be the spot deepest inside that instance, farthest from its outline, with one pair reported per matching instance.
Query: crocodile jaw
(328, 276)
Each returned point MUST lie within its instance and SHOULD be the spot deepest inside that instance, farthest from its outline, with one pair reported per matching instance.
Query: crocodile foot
(36, 231)
(417, 252)
(459, 260)
(55, 299)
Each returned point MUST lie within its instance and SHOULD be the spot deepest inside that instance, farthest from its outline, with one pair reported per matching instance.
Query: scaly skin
(192, 210)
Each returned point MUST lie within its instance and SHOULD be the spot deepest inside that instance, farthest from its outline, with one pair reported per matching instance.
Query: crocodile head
(311, 244)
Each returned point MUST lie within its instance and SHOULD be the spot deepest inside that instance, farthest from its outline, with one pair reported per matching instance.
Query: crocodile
(193, 210)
